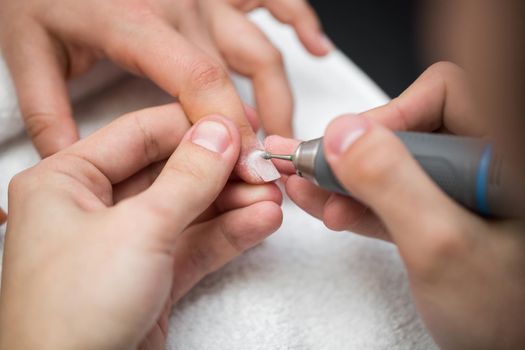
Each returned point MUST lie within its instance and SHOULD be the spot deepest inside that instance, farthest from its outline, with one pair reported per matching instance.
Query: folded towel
(306, 287)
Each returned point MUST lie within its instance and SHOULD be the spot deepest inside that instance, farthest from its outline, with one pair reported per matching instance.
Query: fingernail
(261, 167)
(213, 136)
(326, 43)
(344, 132)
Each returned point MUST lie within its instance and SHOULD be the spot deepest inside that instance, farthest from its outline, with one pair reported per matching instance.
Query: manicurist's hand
(105, 236)
(467, 274)
(184, 46)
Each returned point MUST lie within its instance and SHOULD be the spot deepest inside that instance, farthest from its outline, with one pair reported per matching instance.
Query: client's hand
(104, 237)
(467, 274)
(184, 46)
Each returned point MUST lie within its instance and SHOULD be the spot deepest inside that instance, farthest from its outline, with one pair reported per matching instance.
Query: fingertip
(326, 44)
(239, 194)
(280, 144)
(271, 216)
(274, 194)
(269, 192)
(304, 19)
(256, 223)
(318, 43)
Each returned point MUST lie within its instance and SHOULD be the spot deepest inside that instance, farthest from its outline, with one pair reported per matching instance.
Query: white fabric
(305, 287)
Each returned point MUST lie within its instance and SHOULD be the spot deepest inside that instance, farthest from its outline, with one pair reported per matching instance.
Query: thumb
(373, 164)
(193, 176)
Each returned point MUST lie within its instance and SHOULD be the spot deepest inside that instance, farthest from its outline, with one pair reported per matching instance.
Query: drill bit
(268, 156)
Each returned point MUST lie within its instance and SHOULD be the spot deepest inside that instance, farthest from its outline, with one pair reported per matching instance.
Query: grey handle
(466, 169)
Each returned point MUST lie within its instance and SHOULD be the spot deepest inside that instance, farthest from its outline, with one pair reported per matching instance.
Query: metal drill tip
(268, 156)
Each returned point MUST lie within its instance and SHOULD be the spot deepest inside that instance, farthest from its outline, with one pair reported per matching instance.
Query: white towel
(305, 287)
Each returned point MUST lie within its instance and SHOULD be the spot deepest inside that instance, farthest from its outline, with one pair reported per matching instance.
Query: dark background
(380, 36)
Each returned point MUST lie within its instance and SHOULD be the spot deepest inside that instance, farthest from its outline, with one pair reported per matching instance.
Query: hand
(184, 46)
(99, 245)
(467, 274)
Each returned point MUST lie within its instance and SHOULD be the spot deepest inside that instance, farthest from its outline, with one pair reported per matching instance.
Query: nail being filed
(259, 167)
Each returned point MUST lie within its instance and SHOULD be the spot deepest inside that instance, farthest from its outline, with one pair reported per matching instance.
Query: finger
(250, 53)
(201, 84)
(347, 214)
(239, 195)
(206, 247)
(281, 145)
(142, 180)
(193, 176)
(190, 24)
(300, 15)
(252, 116)
(386, 178)
(132, 142)
(438, 99)
(307, 196)
(41, 90)
(235, 194)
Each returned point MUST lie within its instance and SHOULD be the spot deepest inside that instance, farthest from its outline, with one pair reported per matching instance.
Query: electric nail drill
(467, 169)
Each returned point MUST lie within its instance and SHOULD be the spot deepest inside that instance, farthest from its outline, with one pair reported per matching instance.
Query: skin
(467, 274)
(123, 224)
(183, 46)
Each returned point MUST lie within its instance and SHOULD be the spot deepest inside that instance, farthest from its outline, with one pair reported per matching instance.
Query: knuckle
(37, 123)
(150, 145)
(206, 74)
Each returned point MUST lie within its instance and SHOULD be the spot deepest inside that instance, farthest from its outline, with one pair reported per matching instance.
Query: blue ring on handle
(482, 181)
